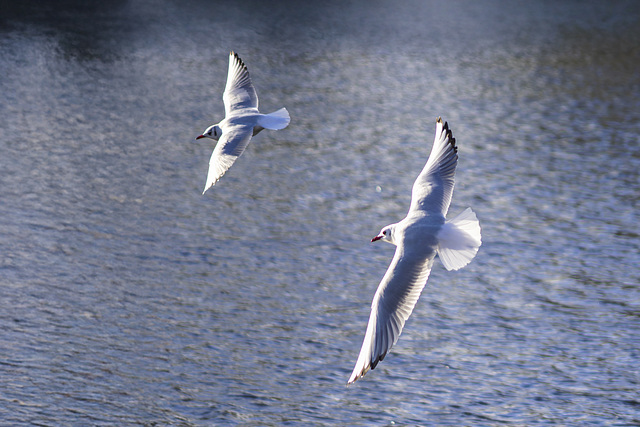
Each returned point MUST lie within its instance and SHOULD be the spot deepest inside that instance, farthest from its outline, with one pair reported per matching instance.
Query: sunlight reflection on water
(131, 299)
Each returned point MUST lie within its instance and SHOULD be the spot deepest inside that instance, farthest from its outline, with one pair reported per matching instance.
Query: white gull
(242, 121)
(422, 234)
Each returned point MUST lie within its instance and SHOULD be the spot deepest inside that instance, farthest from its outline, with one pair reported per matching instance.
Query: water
(128, 298)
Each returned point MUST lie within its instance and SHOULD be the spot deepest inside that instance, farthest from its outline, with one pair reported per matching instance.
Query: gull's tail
(275, 121)
(459, 240)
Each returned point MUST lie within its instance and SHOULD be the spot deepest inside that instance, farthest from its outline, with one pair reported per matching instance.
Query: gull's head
(212, 132)
(386, 235)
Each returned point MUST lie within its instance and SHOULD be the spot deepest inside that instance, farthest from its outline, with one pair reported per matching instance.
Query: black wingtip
(237, 57)
(451, 140)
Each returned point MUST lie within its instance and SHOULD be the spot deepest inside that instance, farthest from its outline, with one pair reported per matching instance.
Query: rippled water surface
(128, 298)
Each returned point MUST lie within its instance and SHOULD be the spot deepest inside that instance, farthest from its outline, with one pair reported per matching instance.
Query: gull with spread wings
(419, 237)
(242, 121)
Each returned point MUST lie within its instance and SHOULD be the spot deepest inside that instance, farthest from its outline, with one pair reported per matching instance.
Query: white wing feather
(239, 92)
(433, 188)
(392, 305)
(230, 146)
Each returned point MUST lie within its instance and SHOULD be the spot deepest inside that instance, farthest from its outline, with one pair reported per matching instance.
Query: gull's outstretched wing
(433, 188)
(392, 305)
(239, 91)
(230, 146)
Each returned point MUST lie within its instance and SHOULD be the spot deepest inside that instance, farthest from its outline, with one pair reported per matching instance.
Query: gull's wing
(239, 91)
(392, 305)
(230, 146)
(433, 188)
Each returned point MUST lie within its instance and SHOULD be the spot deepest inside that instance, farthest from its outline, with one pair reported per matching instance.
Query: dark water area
(128, 298)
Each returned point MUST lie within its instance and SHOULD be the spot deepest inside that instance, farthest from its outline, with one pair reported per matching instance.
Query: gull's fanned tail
(275, 121)
(459, 240)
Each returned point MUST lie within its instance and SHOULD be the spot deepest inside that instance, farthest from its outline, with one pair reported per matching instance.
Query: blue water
(128, 298)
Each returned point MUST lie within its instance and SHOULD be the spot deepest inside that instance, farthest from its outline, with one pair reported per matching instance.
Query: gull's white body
(422, 234)
(242, 121)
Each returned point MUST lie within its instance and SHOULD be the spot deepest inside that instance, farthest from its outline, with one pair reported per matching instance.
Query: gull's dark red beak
(201, 136)
(378, 237)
